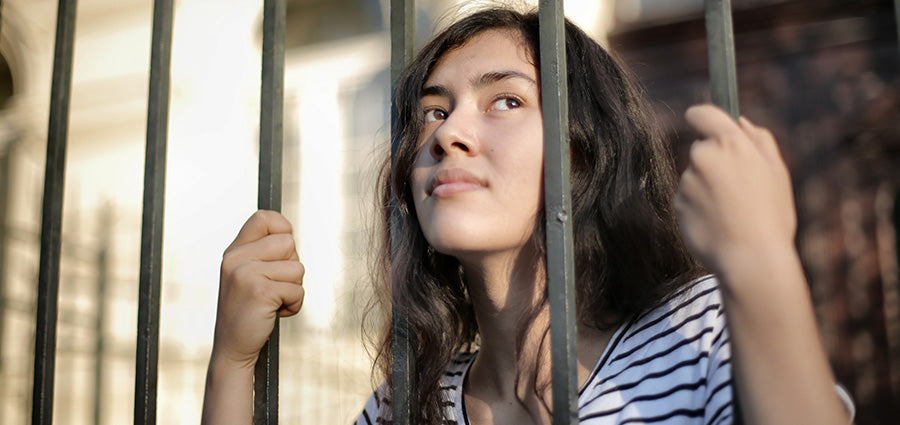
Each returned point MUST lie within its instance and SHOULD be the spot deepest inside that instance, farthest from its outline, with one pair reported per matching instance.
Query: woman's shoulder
(672, 361)
(685, 334)
(691, 300)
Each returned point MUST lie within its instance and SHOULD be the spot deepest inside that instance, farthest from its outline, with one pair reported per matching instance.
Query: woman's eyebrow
(495, 76)
(481, 81)
(436, 90)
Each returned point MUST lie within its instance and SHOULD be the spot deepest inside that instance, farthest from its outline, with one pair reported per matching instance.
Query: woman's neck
(506, 294)
(503, 290)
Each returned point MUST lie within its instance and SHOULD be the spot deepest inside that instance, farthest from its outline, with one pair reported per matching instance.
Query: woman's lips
(451, 181)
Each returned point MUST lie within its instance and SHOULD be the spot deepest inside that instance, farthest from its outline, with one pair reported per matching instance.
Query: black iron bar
(723, 85)
(51, 216)
(558, 207)
(720, 49)
(897, 16)
(271, 142)
(403, 398)
(150, 286)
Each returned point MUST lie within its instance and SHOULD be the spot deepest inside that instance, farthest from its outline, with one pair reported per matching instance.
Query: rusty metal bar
(150, 286)
(558, 207)
(271, 142)
(720, 48)
(51, 216)
(404, 367)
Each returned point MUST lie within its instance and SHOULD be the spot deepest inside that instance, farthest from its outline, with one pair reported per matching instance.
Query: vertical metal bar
(558, 207)
(720, 48)
(102, 283)
(271, 141)
(146, 360)
(897, 16)
(51, 219)
(723, 85)
(5, 184)
(402, 37)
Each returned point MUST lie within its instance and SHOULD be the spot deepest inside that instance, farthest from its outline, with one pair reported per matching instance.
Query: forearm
(782, 372)
(229, 394)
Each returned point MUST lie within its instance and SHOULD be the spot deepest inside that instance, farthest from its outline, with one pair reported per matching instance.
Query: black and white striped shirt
(670, 365)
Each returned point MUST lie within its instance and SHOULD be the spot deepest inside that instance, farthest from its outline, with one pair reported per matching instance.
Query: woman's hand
(735, 196)
(261, 277)
(736, 212)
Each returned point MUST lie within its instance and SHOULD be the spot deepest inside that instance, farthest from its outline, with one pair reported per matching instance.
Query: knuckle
(301, 270)
(245, 277)
(258, 291)
(765, 133)
(699, 151)
(285, 242)
(230, 262)
(296, 272)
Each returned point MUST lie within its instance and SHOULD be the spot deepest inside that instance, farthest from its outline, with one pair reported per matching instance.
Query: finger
(285, 271)
(687, 187)
(291, 297)
(762, 138)
(711, 122)
(261, 224)
(275, 247)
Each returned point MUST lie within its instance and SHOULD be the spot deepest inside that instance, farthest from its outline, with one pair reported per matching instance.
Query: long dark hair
(629, 255)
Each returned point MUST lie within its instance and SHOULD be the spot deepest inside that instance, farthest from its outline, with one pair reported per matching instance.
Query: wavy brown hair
(629, 255)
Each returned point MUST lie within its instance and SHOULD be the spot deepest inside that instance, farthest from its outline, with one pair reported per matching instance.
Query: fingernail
(744, 122)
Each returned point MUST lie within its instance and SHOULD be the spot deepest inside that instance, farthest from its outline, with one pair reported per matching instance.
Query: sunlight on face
(477, 177)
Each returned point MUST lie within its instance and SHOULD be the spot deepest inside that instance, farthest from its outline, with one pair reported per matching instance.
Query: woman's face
(477, 178)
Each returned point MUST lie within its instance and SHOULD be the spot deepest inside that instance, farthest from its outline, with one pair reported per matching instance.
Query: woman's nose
(454, 136)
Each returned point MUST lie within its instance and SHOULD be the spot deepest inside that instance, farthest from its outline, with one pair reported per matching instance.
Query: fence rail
(404, 367)
(150, 284)
(271, 140)
(51, 217)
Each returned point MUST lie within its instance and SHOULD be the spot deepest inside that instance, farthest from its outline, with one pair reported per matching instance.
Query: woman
(469, 267)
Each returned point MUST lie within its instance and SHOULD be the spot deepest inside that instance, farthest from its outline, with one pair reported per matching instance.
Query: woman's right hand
(261, 278)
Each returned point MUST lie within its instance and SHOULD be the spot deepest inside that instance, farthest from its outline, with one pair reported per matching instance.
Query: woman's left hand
(735, 196)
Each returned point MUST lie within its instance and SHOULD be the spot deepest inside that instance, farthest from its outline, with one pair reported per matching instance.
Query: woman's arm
(261, 279)
(736, 212)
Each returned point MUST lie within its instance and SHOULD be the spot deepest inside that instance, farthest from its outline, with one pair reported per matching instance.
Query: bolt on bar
(720, 48)
(146, 361)
(558, 207)
(51, 216)
(403, 398)
(271, 141)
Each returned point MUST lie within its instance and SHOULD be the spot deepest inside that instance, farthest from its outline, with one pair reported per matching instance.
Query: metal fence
(557, 197)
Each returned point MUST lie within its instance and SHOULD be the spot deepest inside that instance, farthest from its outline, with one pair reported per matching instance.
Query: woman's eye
(434, 114)
(505, 104)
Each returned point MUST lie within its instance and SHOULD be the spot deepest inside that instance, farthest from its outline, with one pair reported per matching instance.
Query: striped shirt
(670, 365)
